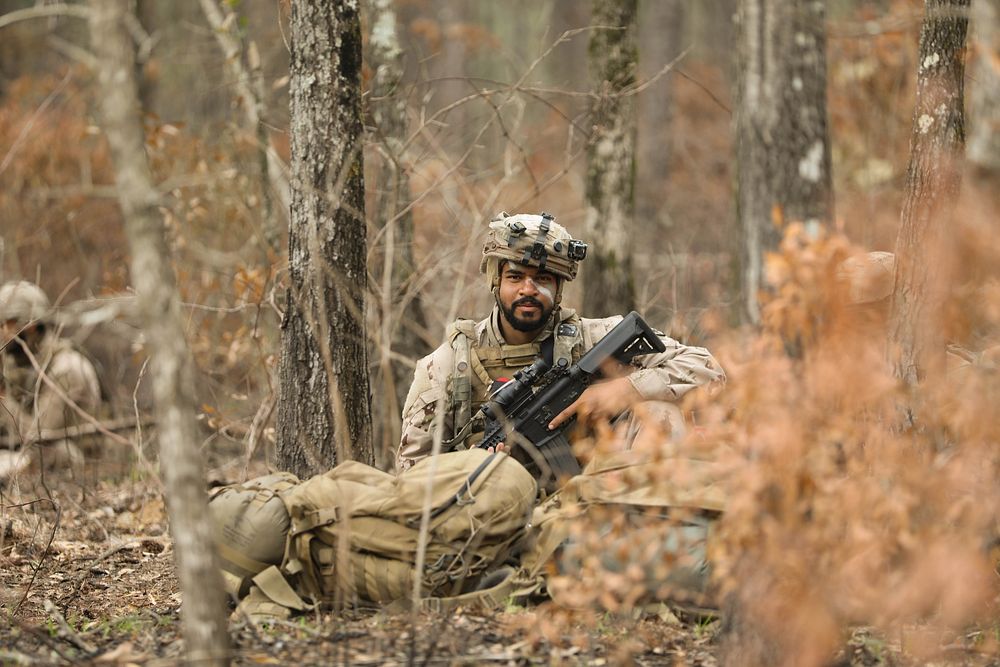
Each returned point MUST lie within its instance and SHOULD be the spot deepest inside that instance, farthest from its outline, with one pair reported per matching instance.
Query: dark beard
(520, 324)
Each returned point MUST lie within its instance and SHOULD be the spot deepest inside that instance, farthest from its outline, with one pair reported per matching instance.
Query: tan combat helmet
(532, 240)
(24, 302)
(868, 277)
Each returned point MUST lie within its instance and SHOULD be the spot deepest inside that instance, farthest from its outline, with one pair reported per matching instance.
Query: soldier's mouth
(528, 308)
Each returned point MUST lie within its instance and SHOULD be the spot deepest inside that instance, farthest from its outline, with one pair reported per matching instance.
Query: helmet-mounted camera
(577, 250)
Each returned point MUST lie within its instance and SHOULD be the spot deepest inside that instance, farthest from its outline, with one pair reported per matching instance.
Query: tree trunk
(324, 413)
(403, 322)
(608, 283)
(660, 34)
(203, 610)
(923, 257)
(783, 147)
(984, 96)
(563, 65)
(711, 27)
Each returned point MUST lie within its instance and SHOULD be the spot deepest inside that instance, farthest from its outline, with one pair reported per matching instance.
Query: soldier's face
(8, 329)
(14, 335)
(527, 296)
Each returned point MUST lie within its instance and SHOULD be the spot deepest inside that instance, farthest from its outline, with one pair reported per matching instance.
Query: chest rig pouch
(477, 365)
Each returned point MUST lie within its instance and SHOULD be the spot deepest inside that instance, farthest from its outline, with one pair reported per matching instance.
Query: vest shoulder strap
(461, 334)
(568, 335)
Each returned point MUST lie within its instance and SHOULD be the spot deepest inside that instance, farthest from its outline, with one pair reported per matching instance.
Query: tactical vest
(478, 365)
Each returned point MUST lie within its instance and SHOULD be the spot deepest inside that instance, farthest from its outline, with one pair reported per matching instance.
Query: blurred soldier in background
(45, 385)
(527, 260)
(868, 279)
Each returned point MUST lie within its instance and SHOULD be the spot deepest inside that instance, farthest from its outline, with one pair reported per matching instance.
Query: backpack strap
(494, 592)
(277, 589)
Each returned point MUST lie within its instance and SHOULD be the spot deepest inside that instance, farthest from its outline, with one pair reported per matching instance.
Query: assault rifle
(519, 412)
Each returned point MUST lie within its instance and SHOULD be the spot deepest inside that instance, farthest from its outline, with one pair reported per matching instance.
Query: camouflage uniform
(457, 376)
(29, 405)
(868, 279)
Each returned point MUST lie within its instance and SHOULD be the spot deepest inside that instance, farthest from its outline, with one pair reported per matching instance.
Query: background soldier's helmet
(532, 240)
(24, 302)
(868, 277)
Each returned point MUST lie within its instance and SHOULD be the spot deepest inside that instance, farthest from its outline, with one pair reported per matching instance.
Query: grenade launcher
(518, 413)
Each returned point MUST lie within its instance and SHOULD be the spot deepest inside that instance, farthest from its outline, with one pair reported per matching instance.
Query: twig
(67, 632)
(38, 566)
(78, 431)
(260, 421)
(45, 11)
(73, 52)
(140, 457)
(45, 638)
(108, 553)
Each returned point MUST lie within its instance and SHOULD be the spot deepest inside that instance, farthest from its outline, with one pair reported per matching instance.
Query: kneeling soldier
(45, 384)
(527, 260)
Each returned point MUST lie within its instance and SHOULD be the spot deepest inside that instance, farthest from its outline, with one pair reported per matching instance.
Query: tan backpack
(251, 525)
(355, 530)
(353, 533)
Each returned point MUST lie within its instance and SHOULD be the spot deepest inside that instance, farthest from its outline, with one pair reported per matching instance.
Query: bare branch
(45, 11)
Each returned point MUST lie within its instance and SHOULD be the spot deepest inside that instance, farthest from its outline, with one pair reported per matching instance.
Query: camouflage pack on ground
(352, 534)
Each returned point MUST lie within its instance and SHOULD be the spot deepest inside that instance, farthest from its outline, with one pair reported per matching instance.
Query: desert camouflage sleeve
(428, 393)
(668, 375)
(77, 381)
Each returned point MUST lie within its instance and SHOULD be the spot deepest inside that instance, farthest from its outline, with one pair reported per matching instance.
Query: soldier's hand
(603, 400)
(502, 447)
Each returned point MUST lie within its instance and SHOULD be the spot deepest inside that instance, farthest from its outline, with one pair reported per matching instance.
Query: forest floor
(87, 577)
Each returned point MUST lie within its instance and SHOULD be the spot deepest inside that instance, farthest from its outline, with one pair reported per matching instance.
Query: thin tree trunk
(923, 257)
(609, 286)
(984, 94)
(660, 34)
(712, 29)
(403, 322)
(783, 147)
(203, 610)
(324, 413)
(244, 70)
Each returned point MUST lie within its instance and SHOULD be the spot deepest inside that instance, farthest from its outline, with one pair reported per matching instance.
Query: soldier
(527, 260)
(868, 279)
(45, 384)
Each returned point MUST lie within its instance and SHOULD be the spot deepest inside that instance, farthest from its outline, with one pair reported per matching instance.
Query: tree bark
(783, 146)
(984, 96)
(403, 322)
(203, 610)
(923, 258)
(608, 283)
(324, 413)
